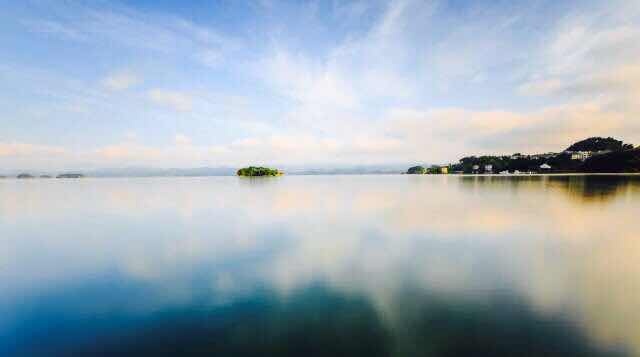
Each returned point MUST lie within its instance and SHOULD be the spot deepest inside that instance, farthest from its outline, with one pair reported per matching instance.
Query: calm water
(321, 265)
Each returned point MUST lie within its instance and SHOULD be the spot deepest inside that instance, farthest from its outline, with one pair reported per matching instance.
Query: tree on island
(595, 144)
(417, 170)
(259, 171)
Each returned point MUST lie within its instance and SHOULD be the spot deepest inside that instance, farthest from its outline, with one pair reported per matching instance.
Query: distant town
(592, 155)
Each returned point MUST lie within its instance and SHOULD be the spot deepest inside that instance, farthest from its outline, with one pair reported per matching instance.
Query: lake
(388, 265)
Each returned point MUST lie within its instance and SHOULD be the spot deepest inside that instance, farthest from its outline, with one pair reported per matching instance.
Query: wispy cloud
(55, 29)
(182, 140)
(455, 132)
(403, 80)
(120, 81)
(16, 149)
(591, 53)
(175, 100)
(126, 27)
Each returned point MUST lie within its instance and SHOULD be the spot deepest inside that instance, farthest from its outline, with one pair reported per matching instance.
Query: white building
(488, 168)
(545, 167)
(580, 155)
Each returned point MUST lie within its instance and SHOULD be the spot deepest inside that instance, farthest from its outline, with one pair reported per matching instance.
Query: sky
(97, 84)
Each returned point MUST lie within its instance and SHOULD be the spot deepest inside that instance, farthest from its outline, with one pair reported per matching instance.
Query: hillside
(602, 155)
(621, 161)
(596, 144)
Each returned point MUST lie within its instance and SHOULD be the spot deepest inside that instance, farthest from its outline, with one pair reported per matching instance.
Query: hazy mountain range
(218, 171)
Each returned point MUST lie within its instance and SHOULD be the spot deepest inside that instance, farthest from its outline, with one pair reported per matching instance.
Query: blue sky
(211, 83)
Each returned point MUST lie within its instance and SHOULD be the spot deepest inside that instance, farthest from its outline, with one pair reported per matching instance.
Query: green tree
(599, 144)
(258, 171)
(417, 170)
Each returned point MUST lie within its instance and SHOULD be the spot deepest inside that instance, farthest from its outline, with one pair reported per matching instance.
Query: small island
(71, 175)
(252, 171)
(25, 176)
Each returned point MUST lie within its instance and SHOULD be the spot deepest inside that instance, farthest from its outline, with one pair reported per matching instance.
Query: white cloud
(412, 82)
(309, 83)
(592, 54)
(210, 57)
(182, 140)
(16, 149)
(401, 135)
(27, 156)
(623, 79)
(541, 87)
(127, 152)
(456, 132)
(120, 81)
(247, 143)
(175, 100)
(131, 135)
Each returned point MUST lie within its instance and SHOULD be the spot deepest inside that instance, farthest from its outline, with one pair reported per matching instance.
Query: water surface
(321, 265)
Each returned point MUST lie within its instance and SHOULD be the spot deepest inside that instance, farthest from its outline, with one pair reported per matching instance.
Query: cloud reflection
(559, 249)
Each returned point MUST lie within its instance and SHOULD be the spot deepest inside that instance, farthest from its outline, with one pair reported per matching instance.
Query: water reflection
(339, 265)
(583, 187)
(312, 321)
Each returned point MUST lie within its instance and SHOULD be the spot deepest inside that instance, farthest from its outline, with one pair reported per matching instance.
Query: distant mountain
(347, 170)
(231, 171)
(226, 171)
(70, 175)
(155, 172)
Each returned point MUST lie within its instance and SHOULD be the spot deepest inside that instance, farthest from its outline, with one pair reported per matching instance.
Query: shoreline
(341, 174)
